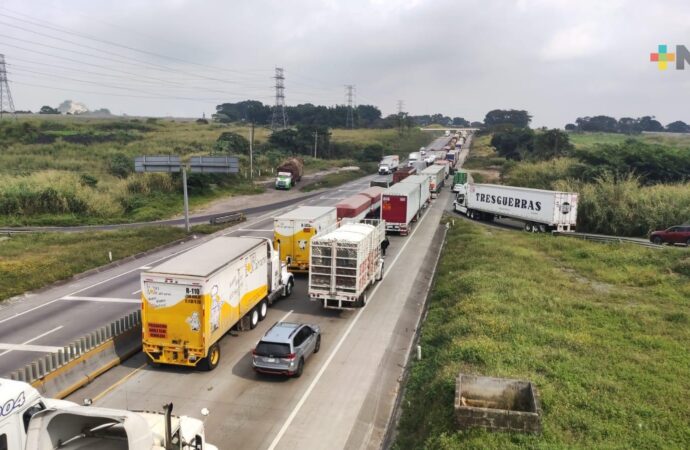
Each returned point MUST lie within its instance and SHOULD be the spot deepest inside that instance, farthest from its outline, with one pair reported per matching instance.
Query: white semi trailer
(539, 210)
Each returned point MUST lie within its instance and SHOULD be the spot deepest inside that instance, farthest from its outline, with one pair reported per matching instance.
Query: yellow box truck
(293, 231)
(190, 301)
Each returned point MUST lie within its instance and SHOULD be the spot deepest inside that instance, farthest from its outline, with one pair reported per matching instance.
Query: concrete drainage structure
(497, 404)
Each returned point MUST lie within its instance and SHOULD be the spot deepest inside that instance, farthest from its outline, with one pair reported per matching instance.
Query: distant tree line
(626, 125)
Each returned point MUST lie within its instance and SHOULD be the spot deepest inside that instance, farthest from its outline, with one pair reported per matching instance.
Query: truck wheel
(263, 309)
(657, 240)
(542, 228)
(253, 318)
(212, 359)
(300, 368)
(288, 288)
(528, 227)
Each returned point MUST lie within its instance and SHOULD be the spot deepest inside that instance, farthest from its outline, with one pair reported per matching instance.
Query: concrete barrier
(59, 374)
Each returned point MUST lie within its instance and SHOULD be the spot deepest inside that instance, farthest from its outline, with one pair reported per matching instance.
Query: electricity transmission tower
(350, 121)
(6, 103)
(279, 119)
(401, 114)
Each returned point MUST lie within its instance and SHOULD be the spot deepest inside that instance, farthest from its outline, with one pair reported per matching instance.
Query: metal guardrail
(234, 217)
(52, 362)
(607, 239)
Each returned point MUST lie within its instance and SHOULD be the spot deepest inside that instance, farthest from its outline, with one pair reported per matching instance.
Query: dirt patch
(597, 286)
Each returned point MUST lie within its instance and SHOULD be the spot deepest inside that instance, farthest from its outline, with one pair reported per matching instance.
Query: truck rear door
(394, 209)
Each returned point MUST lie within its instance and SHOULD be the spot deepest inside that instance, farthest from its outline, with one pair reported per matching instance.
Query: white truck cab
(30, 421)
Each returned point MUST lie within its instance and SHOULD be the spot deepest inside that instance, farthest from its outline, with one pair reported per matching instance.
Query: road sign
(214, 164)
(163, 163)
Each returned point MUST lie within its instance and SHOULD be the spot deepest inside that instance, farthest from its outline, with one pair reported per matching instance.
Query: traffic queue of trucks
(29, 421)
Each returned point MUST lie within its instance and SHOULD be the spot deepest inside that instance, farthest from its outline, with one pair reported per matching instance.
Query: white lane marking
(286, 315)
(30, 341)
(136, 292)
(101, 299)
(27, 348)
(323, 368)
(145, 267)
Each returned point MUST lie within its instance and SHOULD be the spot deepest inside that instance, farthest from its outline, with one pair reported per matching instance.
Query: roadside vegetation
(70, 170)
(628, 186)
(602, 330)
(334, 179)
(33, 260)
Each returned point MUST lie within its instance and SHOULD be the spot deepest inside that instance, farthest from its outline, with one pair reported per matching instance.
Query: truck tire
(528, 227)
(380, 275)
(212, 359)
(362, 300)
(288, 288)
(542, 228)
(263, 310)
(253, 317)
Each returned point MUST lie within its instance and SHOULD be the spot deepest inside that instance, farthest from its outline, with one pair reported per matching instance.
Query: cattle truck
(437, 176)
(344, 263)
(293, 231)
(538, 209)
(400, 206)
(29, 421)
(424, 191)
(191, 301)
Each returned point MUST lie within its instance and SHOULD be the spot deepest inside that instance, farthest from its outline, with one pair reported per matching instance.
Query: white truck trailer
(424, 183)
(192, 300)
(437, 175)
(29, 421)
(400, 206)
(538, 209)
(344, 263)
(413, 157)
(389, 164)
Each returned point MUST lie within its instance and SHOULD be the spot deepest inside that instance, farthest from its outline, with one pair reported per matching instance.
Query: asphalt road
(346, 395)
(33, 325)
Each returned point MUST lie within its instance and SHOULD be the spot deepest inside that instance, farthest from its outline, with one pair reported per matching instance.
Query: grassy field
(583, 140)
(59, 170)
(334, 179)
(602, 330)
(31, 261)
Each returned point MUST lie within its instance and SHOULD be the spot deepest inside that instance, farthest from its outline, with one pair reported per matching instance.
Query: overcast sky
(558, 59)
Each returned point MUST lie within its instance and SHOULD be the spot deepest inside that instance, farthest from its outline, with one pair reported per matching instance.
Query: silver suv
(285, 347)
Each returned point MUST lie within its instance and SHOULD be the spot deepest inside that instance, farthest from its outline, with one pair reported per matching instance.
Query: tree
(233, 143)
(597, 123)
(678, 127)
(460, 122)
(551, 144)
(512, 117)
(372, 152)
(48, 110)
(571, 127)
(514, 144)
(648, 123)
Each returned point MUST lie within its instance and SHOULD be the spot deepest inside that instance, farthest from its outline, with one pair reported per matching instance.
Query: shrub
(121, 165)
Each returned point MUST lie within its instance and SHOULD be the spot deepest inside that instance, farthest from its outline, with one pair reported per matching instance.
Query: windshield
(272, 349)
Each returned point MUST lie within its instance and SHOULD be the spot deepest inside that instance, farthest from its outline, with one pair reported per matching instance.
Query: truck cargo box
(403, 173)
(424, 184)
(294, 230)
(354, 207)
(400, 206)
(437, 175)
(384, 181)
(374, 193)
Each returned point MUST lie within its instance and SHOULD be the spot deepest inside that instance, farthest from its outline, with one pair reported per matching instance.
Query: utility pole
(279, 119)
(401, 105)
(316, 137)
(251, 152)
(186, 198)
(6, 103)
(350, 121)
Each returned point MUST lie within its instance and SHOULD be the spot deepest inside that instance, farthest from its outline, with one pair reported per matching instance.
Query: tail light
(290, 356)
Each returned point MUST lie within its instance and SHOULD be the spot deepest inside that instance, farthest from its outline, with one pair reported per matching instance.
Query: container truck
(452, 158)
(29, 421)
(403, 173)
(400, 206)
(289, 173)
(446, 166)
(191, 301)
(424, 183)
(293, 231)
(437, 175)
(538, 209)
(459, 178)
(389, 164)
(384, 181)
(413, 158)
(354, 207)
(344, 263)
(374, 193)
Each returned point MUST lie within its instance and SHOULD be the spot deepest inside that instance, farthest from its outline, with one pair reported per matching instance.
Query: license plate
(270, 360)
